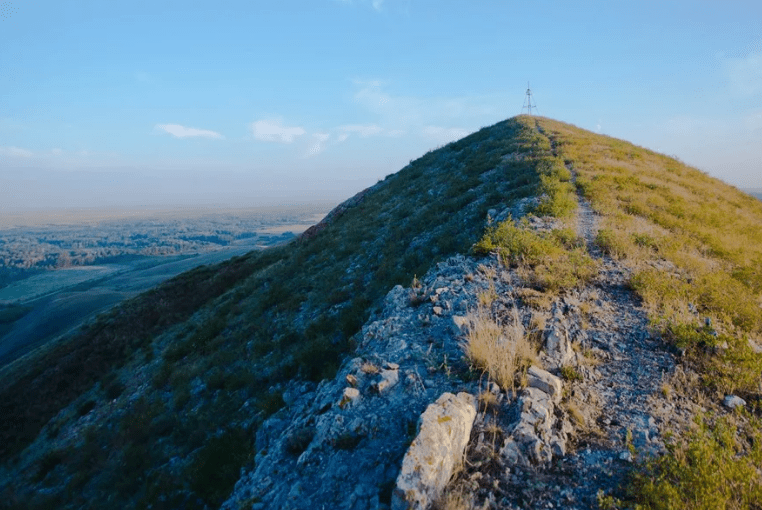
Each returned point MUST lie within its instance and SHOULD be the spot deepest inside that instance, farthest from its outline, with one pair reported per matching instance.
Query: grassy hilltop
(157, 401)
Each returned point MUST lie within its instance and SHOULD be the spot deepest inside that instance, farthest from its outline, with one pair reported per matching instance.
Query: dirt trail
(619, 395)
(587, 221)
(622, 390)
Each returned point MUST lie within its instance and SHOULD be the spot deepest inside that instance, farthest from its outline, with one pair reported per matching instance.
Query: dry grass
(487, 271)
(694, 244)
(535, 299)
(487, 297)
(369, 368)
(454, 498)
(487, 400)
(576, 415)
(684, 383)
(537, 325)
(501, 352)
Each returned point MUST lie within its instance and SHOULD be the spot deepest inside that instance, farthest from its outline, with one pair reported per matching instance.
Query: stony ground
(340, 444)
(617, 408)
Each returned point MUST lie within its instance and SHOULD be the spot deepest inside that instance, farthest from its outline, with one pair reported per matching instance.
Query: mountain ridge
(171, 407)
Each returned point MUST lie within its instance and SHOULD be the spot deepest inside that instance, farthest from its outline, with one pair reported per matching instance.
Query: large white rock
(445, 428)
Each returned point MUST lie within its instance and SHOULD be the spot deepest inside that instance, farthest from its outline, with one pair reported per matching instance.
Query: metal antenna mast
(528, 104)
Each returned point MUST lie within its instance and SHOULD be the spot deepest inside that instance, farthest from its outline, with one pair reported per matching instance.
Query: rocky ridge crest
(571, 433)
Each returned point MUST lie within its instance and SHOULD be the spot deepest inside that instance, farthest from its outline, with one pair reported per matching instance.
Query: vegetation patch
(714, 466)
(548, 261)
(694, 245)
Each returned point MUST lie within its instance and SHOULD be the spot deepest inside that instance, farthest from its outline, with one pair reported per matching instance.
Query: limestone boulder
(444, 431)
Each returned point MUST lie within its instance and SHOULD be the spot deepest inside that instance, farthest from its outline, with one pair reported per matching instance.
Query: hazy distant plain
(45, 305)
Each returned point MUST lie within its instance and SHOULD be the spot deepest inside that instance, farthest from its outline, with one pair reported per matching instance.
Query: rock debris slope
(554, 442)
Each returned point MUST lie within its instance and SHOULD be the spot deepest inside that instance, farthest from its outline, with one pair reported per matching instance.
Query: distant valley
(54, 276)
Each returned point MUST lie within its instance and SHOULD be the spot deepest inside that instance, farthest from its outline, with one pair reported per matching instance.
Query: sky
(242, 103)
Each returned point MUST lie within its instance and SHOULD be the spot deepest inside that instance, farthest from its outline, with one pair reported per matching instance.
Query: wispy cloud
(179, 131)
(17, 152)
(362, 130)
(318, 143)
(745, 73)
(443, 134)
(377, 4)
(273, 130)
(433, 118)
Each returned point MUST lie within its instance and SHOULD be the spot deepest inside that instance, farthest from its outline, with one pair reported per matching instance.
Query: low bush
(569, 373)
(216, 467)
(715, 466)
(611, 243)
(544, 259)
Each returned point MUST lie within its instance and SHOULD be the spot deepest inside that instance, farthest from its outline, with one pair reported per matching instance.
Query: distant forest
(28, 251)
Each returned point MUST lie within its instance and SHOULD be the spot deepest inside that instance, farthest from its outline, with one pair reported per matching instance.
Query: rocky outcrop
(341, 444)
(436, 452)
(557, 344)
(733, 401)
(545, 382)
(537, 435)
(352, 442)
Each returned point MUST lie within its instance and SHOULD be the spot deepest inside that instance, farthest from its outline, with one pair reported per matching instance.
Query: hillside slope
(166, 375)
(642, 293)
(629, 308)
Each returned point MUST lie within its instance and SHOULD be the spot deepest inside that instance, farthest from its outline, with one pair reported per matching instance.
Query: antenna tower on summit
(528, 102)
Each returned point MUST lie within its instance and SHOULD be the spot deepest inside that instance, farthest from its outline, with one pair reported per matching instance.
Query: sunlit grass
(694, 245)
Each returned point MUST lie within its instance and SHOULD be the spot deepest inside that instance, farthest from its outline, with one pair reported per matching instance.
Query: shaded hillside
(189, 370)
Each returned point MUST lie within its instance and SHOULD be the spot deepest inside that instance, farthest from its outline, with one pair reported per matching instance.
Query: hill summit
(533, 315)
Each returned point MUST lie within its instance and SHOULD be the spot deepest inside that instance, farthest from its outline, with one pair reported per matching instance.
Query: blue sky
(242, 103)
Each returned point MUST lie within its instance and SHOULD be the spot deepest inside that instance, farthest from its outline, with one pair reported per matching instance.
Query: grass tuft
(502, 352)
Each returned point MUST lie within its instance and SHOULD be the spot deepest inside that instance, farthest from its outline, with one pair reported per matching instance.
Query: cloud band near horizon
(179, 131)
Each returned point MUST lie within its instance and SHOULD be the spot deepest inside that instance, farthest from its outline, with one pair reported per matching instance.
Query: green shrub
(564, 271)
(517, 244)
(216, 467)
(568, 238)
(569, 373)
(548, 263)
(612, 243)
(713, 467)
